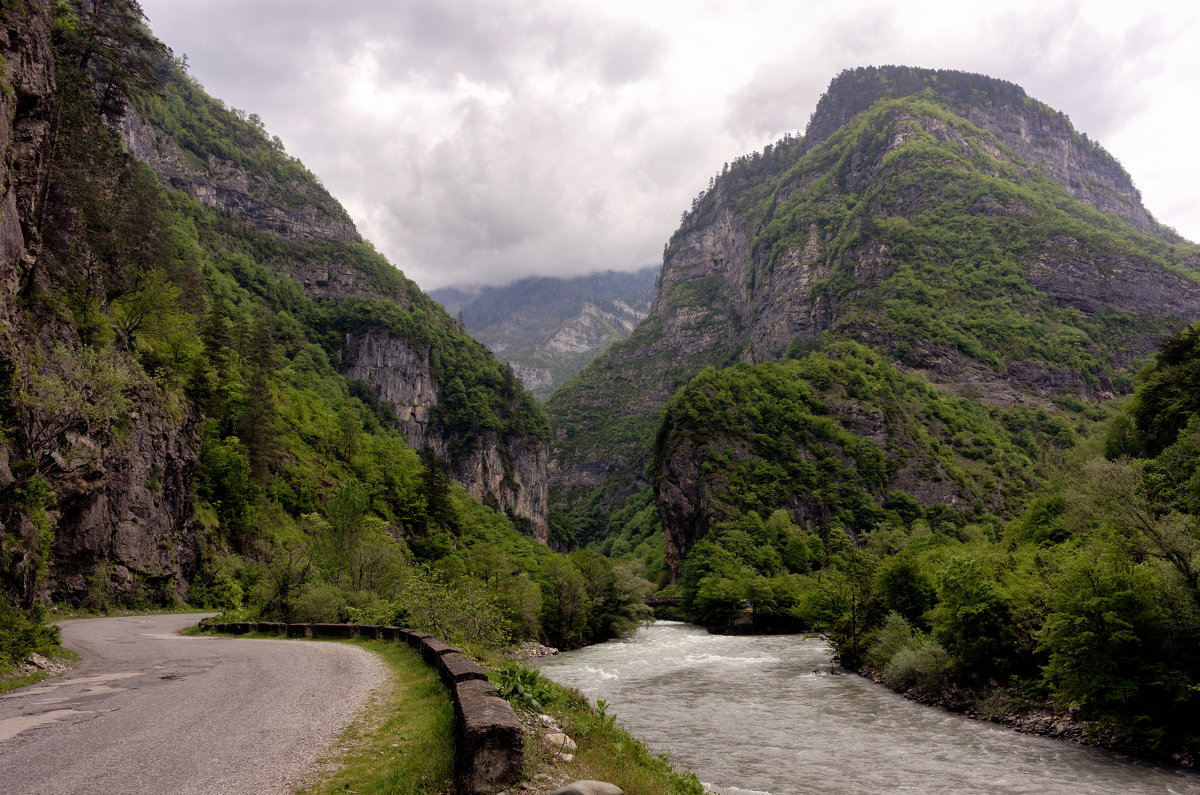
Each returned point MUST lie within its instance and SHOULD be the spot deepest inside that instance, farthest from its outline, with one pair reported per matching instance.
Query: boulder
(587, 787)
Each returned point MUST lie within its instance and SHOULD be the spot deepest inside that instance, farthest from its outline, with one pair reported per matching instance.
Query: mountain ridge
(547, 328)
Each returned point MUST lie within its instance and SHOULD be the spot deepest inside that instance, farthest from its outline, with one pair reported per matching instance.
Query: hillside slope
(201, 362)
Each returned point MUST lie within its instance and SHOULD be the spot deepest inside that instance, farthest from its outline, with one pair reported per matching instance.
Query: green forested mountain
(212, 389)
(949, 221)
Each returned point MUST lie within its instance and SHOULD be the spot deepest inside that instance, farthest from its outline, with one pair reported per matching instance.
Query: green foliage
(1170, 392)
(522, 686)
(21, 635)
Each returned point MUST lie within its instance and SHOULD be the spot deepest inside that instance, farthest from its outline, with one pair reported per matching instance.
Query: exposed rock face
(124, 510)
(122, 504)
(29, 70)
(401, 376)
(225, 186)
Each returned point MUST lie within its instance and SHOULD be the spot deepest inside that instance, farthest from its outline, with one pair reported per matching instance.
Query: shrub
(895, 635)
(920, 668)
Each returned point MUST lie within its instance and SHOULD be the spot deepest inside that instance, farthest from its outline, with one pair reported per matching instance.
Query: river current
(771, 714)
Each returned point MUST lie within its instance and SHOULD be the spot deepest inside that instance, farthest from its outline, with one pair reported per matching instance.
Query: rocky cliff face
(510, 470)
(28, 73)
(226, 186)
(120, 512)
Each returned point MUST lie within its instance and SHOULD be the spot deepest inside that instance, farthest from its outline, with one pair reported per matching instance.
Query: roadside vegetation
(404, 741)
(605, 752)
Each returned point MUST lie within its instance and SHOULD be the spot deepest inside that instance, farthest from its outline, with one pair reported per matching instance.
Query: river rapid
(771, 714)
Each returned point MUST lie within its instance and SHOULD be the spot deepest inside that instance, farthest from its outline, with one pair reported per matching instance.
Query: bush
(895, 635)
(20, 637)
(920, 668)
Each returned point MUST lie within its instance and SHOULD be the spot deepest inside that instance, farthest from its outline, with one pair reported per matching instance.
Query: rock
(549, 721)
(510, 469)
(560, 743)
(587, 787)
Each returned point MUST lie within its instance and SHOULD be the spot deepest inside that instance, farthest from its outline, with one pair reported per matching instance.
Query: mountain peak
(1041, 136)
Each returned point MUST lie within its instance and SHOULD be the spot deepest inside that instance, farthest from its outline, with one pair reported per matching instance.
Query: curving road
(151, 711)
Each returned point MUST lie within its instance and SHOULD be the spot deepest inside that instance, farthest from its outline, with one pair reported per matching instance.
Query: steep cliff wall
(28, 77)
(95, 471)
(508, 468)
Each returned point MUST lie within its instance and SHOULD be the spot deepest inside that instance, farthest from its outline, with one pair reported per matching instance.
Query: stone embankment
(489, 747)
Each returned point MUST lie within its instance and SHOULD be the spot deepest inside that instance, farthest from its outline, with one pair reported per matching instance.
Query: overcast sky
(479, 142)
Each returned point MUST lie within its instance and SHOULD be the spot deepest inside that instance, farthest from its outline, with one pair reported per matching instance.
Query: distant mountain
(548, 328)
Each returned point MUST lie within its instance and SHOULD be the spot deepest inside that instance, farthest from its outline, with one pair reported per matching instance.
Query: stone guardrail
(489, 747)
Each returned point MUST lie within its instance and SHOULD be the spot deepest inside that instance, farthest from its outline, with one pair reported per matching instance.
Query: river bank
(1044, 719)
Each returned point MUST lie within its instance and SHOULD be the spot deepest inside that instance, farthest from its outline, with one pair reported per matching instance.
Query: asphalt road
(151, 711)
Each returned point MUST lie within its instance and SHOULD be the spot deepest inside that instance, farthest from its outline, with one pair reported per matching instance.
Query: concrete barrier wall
(489, 746)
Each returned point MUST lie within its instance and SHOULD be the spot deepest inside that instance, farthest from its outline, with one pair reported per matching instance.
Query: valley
(922, 380)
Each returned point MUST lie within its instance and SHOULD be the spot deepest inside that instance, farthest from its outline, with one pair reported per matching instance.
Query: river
(770, 714)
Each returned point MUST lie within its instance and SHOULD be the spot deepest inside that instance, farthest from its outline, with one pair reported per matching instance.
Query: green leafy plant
(522, 686)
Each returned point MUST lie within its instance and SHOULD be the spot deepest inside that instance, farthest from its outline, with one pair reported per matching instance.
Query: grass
(403, 741)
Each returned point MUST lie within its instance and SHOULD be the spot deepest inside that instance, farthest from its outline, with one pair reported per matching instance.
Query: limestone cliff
(510, 469)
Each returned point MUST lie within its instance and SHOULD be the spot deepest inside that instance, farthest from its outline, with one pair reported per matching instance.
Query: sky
(476, 142)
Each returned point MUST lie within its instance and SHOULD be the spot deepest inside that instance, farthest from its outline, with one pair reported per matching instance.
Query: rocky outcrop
(124, 510)
(223, 185)
(399, 374)
(1037, 134)
(510, 470)
(27, 83)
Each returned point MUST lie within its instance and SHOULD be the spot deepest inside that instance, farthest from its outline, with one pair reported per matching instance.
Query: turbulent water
(769, 714)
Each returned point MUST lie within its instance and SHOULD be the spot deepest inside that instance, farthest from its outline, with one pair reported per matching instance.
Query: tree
(69, 391)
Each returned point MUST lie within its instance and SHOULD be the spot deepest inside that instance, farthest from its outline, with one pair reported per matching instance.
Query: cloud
(482, 141)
